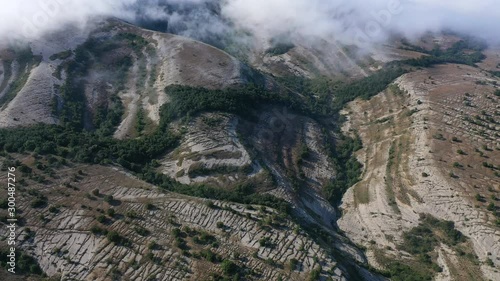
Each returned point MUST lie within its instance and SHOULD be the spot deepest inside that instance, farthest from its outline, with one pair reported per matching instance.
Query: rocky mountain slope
(123, 226)
(132, 63)
(428, 152)
(173, 160)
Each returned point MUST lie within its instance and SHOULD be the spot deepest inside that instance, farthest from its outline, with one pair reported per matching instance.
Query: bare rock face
(143, 232)
(97, 239)
(173, 60)
(312, 58)
(32, 104)
(29, 80)
(423, 154)
(430, 156)
(165, 59)
(280, 153)
(210, 152)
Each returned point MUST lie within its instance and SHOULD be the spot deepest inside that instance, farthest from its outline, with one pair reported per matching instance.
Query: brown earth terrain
(159, 234)
(432, 148)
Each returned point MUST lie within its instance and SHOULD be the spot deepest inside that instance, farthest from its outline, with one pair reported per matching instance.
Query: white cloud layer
(362, 20)
(353, 20)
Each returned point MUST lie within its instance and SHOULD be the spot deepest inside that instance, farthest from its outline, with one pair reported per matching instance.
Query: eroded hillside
(113, 63)
(122, 226)
(433, 148)
(282, 153)
(148, 120)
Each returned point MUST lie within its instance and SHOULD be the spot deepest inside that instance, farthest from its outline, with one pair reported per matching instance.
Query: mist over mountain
(350, 22)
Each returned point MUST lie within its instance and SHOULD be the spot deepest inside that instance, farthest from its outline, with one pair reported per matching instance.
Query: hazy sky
(353, 20)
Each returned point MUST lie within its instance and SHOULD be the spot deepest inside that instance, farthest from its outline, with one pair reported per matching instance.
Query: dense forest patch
(468, 51)
(422, 242)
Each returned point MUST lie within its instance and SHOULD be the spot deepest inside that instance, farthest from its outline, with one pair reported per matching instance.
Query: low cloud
(354, 21)
(28, 19)
(361, 21)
